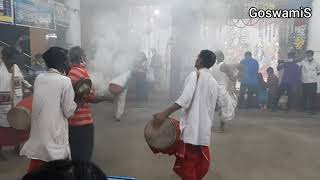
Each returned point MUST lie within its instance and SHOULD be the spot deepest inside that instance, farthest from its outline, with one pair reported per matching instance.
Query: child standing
(272, 85)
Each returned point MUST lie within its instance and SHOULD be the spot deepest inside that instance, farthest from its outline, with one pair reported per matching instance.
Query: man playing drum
(198, 100)
(53, 103)
(81, 128)
(12, 84)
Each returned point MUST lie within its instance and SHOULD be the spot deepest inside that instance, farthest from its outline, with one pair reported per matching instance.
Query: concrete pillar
(313, 33)
(314, 26)
(73, 35)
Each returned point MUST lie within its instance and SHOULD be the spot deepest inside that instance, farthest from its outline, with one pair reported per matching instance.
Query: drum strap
(12, 87)
(195, 89)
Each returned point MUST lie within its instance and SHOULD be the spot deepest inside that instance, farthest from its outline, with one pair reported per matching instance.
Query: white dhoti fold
(120, 99)
(227, 104)
(119, 104)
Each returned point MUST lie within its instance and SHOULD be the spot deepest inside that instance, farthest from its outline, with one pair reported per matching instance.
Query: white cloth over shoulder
(53, 103)
(198, 100)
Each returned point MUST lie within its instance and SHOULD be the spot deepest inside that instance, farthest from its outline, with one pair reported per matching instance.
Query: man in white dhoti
(198, 101)
(12, 84)
(53, 103)
(119, 98)
(226, 76)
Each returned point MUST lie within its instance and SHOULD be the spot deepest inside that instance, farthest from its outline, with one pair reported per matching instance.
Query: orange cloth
(35, 164)
(83, 115)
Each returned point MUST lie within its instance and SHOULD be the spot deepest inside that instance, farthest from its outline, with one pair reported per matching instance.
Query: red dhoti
(35, 164)
(192, 162)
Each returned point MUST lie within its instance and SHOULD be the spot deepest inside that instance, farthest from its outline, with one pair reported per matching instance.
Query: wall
(314, 38)
(37, 41)
(314, 26)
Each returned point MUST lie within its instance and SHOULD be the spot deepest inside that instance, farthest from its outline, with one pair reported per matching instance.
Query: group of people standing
(62, 125)
(293, 77)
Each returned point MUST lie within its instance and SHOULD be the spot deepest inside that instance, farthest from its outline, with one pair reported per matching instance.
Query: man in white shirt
(198, 100)
(226, 76)
(53, 103)
(12, 83)
(310, 70)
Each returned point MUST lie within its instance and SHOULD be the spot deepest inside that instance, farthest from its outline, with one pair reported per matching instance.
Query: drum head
(83, 87)
(19, 118)
(115, 89)
(163, 137)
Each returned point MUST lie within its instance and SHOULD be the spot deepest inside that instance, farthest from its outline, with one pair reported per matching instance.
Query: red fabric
(35, 164)
(83, 115)
(12, 137)
(192, 162)
(26, 103)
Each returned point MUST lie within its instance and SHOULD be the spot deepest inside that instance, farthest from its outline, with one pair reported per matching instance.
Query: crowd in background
(295, 87)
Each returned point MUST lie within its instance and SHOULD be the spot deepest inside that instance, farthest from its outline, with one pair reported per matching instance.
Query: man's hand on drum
(159, 118)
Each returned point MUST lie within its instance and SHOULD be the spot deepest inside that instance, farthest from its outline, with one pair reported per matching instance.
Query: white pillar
(73, 35)
(313, 33)
(314, 26)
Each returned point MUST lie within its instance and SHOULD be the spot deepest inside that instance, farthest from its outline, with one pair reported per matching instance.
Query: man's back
(202, 94)
(52, 104)
(251, 71)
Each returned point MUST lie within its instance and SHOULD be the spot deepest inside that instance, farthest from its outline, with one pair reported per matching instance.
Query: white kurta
(6, 90)
(196, 121)
(220, 77)
(310, 71)
(53, 103)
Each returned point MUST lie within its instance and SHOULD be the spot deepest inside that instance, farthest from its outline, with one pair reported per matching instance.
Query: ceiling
(237, 7)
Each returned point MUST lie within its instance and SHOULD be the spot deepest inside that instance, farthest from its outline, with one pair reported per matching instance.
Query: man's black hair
(75, 54)
(9, 53)
(270, 69)
(208, 58)
(310, 52)
(248, 54)
(291, 55)
(67, 170)
(56, 57)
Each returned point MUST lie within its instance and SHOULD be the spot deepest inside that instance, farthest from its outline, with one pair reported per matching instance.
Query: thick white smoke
(114, 52)
(118, 33)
